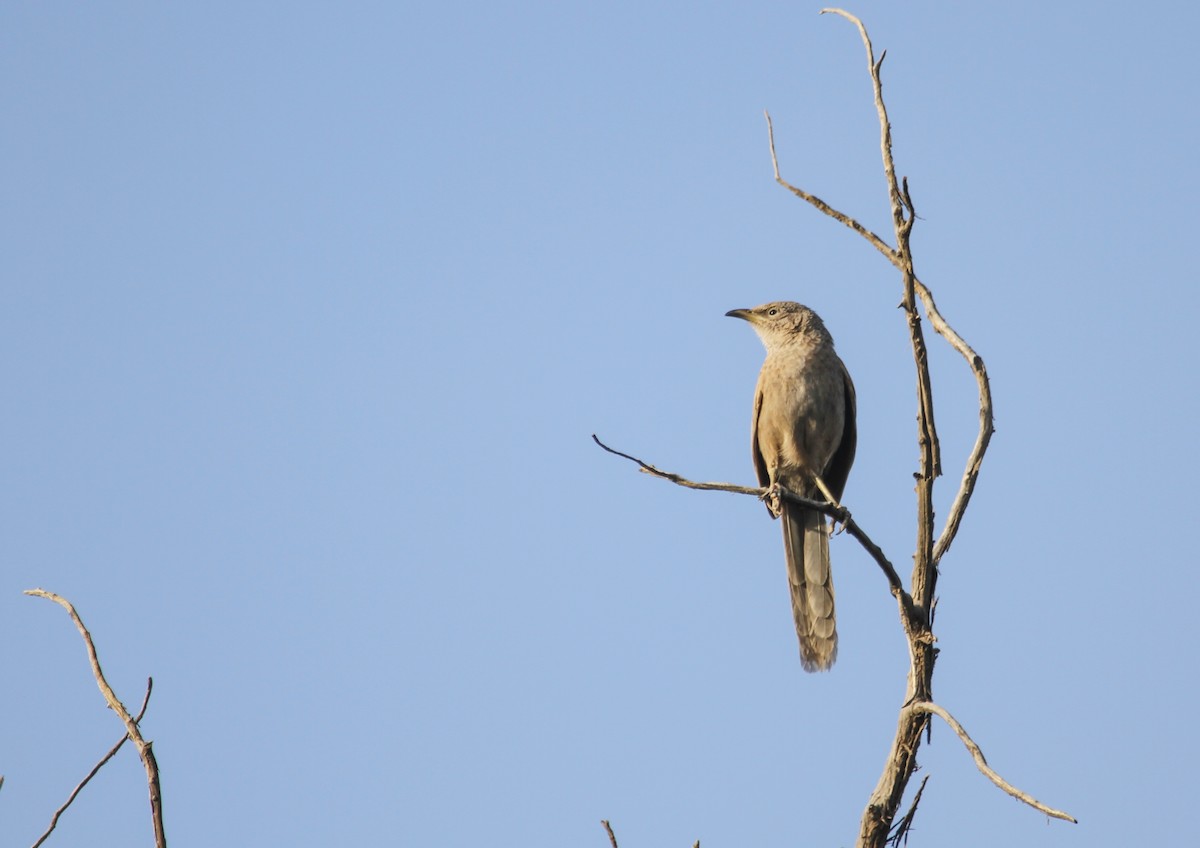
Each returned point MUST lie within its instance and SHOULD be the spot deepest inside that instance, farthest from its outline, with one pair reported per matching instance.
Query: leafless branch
(903, 218)
(885, 127)
(647, 468)
(900, 832)
(145, 751)
(975, 459)
(838, 513)
(95, 769)
(612, 837)
(879, 244)
(981, 762)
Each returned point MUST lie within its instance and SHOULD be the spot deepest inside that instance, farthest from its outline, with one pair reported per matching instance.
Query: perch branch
(145, 751)
(977, 755)
(839, 514)
(95, 769)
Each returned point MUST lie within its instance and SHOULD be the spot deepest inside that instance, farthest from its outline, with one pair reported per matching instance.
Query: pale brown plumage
(803, 429)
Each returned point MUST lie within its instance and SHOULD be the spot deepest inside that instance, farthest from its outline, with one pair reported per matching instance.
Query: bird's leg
(825, 490)
(834, 501)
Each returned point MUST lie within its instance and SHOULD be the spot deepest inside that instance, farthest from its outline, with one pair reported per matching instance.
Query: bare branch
(981, 762)
(95, 769)
(885, 127)
(683, 481)
(975, 460)
(145, 751)
(900, 832)
(834, 511)
(879, 244)
(901, 201)
(612, 837)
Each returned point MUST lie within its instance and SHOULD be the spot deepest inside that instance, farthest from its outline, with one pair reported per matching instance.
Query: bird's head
(778, 322)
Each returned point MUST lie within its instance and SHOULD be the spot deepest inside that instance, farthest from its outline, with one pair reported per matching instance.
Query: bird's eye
(772, 311)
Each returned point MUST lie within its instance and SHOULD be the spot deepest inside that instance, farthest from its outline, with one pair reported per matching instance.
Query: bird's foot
(773, 498)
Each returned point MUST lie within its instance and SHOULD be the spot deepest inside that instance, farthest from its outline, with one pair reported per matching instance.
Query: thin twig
(838, 513)
(145, 751)
(95, 769)
(900, 833)
(977, 755)
(612, 837)
(647, 468)
(885, 127)
(880, 245)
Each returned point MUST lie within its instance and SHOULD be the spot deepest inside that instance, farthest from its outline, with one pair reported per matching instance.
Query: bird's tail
(806, 542)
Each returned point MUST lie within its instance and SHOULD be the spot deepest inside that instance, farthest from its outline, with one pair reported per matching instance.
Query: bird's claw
(773, 498)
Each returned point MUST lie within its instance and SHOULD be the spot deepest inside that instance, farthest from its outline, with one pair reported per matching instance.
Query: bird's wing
(839, 465)
(760, 464)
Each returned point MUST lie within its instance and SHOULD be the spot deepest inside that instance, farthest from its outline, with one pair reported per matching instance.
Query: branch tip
(612, 837)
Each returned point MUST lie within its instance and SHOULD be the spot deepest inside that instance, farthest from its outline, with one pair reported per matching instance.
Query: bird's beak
(744, 314)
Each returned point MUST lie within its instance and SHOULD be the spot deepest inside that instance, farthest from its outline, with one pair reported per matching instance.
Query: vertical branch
(131, 726)
(903, 217)
(884, 803)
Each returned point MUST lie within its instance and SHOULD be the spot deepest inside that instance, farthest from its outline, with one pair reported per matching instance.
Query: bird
(803, 438)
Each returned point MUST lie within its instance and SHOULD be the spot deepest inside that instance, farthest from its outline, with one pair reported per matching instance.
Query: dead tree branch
(95, 769)
(145, 751)
(981, 762)
(838, 513)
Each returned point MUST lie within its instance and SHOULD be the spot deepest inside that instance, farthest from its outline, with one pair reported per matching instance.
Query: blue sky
(309, 313)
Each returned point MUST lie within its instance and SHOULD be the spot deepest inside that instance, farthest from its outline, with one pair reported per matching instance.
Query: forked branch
(112, 752)
(145, 751)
